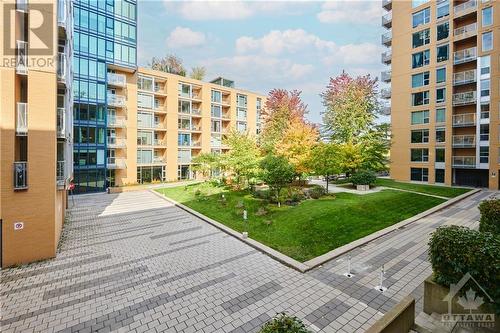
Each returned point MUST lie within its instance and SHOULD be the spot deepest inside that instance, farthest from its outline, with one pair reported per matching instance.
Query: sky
(263, 45)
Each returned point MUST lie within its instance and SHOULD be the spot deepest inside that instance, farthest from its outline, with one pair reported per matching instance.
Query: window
(145, 83)
(485, 88)
(487, 41)
(420, 117)
(184, 107)
(440, 115)
(484, 132)
(440, 156)
(440, 135)
(421, 17)
(185, 90)
(442, 9)
(241, 101)
(420, 155)
(439, 176)
(241, 126)
(485, 111)
(443, 31)
(216, 111)
(487, 16)
(420, 136)
(416, 3)
(241, 114)
(420, 98)
(419, 174)
(484, 154)
(442, 53)
(485, 65)
(144, 101)
(440, 95)
(184, 139)
(419, 80)
(216, 126)
(441, 75)
(421, 38)
(420, 59)
(216, 96)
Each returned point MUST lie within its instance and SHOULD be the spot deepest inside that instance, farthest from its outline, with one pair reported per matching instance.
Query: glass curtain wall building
(105, 37)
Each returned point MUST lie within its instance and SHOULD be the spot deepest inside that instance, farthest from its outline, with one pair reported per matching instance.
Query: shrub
(197, 192)
(282, 323)
(262, 194)
(317, 191)
(363, 177)
(490, 216)
(454, 251)
(296, 195)
(261, 211)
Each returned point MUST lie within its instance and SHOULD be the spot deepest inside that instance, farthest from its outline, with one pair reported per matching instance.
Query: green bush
(363, 177)
(317, 191)
(455, 250)
(262, 194)
(282, 323)
(490, 216)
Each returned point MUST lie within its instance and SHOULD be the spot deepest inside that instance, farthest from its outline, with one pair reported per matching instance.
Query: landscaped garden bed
(310, 228)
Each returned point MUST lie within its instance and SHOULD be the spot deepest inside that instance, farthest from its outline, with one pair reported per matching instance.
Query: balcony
(467, 31)
(61, 123)
(465, 8)
(22, 5)
(387, 20)
(116, 80)
(116, 163)
(159, 126)
(20, 175)
(385, 93)
(114, 142)
(158, 160)
(466, 55)
(226, 116)
(117, 121)
(385, 76)
(61, 174)
(464, 141)
(22, 119)
(386, 57)
(116, 100)
(22, 57)
(464, 120)
(387, 4)
(196, 144)
(464, 98)
(464, 162)
(61, 13)
(387, 38)
(196, 112)
(386, 110)
(61, 67)
(159, 142)
(464, 77)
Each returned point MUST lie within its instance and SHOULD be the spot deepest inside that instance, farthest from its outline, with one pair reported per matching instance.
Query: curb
(315, 262)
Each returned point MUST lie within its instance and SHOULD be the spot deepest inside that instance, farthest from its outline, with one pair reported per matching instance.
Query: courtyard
(133, 262)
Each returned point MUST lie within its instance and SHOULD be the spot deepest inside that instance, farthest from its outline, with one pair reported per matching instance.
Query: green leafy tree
(243, 156)
(198, 73)
(277, 173)
(325, 160)
(206, 163)
(169, 64)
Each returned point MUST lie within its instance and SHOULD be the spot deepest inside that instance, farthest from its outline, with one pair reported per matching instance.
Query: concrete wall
(400, 319)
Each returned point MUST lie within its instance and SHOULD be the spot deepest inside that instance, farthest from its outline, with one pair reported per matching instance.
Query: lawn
(443, 191)
(311, 228)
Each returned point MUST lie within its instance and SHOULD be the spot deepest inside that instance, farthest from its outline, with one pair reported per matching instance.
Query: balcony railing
(22, 5)
(464, 141)
(20, 175)
(466, 55)
(116, 121)
(464, 98)
(465, 31)
(158, 160)
(387, 20)
(464, 120)
(464, 7)
(386, 110)
(225, 116)
(61, 12)
(464, 77)
(159, 142)
(22, 119)
(60, 173)
(387, 38)
(195, 144)
(385, 76)
(61, 66)
(22, 57)
(114, 142)
(116, 163)
(118, 80)
(184, 144)
(61, 122)
(464, 161)
(116, 100)
(385, 93)
(386, 57)
(387, 4)
(196, 111)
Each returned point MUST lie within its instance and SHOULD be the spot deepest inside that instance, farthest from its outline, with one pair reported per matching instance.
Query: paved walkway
(132, 262)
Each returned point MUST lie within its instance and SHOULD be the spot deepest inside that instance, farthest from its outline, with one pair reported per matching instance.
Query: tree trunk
(327, 184)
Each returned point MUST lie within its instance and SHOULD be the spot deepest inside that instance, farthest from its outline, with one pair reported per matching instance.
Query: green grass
(311, 228)
(442, 191)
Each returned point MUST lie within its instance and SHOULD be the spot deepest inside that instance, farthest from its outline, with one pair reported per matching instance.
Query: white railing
(468, 97)
(61, 12)
(387, 19)
(158, 142)
(115, 142)
(158, 160)
(61, 66)
(387, 38)
(116, 121)
(386, 76)
(61, 122)
(22, 119)
(465, 55)
(116, 100)
(464, 161)
(115, 163)
(464, 6)
(464, 77)
(22, 57)
(60, 173)
(196, 111)
(466, 119)
(386, 3)
(117, 79)
(386, 57)
(385, 93)
(22, 5)
(464, 141)
(465, 31)
(20, 175)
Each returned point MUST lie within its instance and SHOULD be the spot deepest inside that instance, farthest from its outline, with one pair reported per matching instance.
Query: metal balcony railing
(61, 12)
(466, 55)
(464, 7)
(385, 93)
(464, 77)
(465, 31)
(226, 116)
(116, 100)
(385, 76)
(20, 175)
(116, 163)
(387, 4)
(61, 173)
(196, 111)
(464, 141)
(464, 98)
(464, 161)
(22, 5)
(22, 57)
(464, 120)
(387, 20)
(158, 160)
(117, 121)
(119, 80)
(387, 38)
(159, 142)
(61, 66)
(114, 142)
(22, 119)
(61, 122)
(386, 57)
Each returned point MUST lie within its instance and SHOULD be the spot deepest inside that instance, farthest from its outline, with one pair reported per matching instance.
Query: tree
(325, 160)
(243, 156)
(206, 163)
(169, 64)
(351, 157)
(198, 72)
(277, 173)
(376, 144)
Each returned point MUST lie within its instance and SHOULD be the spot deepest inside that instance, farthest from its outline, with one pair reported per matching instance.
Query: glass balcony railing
(464, 77)
(22, 5)
(464, 161)
(465, 55)
(465, 31)
(116, 121)
(115, 163)
(387, 38)
(464, 7)
(386, 57)
(114, 142)
(158, 160)
(22, 119)
(385, 76)
(61, 12)
(61, 122)
(116, 100)
(61, 66)
(20, 175)
(387, 20)
(464, 98)
(385, 93)
(115, 79)
(464, 141)
(464, 120)
(61, 173)
(22, 57)
(387, 4)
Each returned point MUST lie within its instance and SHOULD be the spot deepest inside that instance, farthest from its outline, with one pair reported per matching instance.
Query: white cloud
(355, 54)
(341, 11)
(184, 38)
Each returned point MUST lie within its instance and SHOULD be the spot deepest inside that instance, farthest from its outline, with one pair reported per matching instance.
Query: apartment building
(36, 127)
(444, 78)
(169, 120)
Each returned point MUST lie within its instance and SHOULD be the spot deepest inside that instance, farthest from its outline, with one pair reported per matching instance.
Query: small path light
(245, 221)
(381, 287)
(348, 273)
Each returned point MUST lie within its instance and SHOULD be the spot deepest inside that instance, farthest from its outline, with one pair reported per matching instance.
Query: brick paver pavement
(132, 262)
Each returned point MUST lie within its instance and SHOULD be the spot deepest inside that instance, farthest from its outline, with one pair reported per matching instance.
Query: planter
(362, 187)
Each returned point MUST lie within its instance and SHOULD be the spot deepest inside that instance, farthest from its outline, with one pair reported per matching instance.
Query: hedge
(363, 177)
(490, 216)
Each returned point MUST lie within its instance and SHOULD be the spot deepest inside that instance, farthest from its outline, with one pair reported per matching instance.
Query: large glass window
(241, 114)
(421, 38)
(145, 120)
(442, 53)
(185, 90)
(440, 115)
(184, 107)
(484, 154)
(184, 139)
(145, 83)
(485, 65)
(144, 138)
(420, 79)
(420, 155)
(216, 126)
(216, 111)
(241, 101)
(441, 75)
(485, 88)
(487, 41)
(421, 17)
(440, 95)
(145, 101)
(442, 9)
(420, 59)
(440, 135)
(443, 31)
(216, 96)
(419, 174)
(420, 98)
(487, 16)
(420, 136)
(420, 117)
(439, 175)
(440, 155)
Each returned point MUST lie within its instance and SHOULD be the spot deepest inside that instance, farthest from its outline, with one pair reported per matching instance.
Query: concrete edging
(310, 264)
